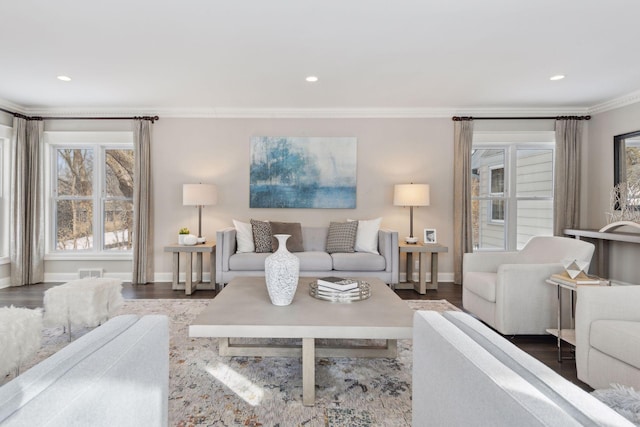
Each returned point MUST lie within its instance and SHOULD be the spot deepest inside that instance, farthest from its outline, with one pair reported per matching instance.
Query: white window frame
(99, 142)
(511, 142)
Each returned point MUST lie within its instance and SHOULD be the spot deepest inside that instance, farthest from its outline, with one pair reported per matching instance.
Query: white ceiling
(213, 57)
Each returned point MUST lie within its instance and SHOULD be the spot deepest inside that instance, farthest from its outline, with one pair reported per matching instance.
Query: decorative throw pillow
(342, 236)
(261, 235)
(244, 237)
(367, 237)
(294, 229)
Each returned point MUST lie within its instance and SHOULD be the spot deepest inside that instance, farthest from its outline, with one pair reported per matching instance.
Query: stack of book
(580, 280)
(338, 289)
(332, 284)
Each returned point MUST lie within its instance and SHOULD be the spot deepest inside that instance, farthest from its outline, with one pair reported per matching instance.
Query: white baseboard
(5, 282)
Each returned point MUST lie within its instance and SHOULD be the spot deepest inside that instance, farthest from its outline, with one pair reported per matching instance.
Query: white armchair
(507, 290)
(608, 335)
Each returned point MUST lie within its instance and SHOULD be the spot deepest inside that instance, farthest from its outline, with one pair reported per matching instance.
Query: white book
(337, 283)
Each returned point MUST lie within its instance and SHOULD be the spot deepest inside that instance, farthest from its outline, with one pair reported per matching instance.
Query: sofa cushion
(248, 262)
(314, 261)
(294, 229)
(482, 284)
(261, 235)
(342, 237)
(619, 339)
(244, 236)
(359, 261)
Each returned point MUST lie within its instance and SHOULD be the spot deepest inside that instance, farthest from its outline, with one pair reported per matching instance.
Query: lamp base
(411, 240)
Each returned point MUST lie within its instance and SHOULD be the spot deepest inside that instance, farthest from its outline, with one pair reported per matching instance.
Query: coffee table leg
(308, 371)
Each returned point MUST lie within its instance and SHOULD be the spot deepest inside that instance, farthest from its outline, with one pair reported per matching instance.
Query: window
(512, 191)
(91, 205)
(5, 134)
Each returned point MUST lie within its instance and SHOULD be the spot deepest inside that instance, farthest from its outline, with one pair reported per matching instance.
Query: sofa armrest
(388, 248)
(487, 261)
(602, 303)
(225, 247)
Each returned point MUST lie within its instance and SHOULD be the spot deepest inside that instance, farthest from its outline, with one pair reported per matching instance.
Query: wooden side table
(198, 249)
(422, 249)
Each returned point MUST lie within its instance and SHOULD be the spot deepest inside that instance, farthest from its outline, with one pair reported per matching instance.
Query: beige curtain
(566, 200)
(462, 225)
(26, 218)
(142, 205)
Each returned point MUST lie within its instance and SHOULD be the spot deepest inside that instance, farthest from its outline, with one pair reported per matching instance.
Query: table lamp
(199, 195)
(411, 195)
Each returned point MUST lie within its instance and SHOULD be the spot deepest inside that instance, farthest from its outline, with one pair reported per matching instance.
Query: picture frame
(430, 235)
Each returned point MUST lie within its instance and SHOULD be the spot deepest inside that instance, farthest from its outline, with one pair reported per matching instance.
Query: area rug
(208, 390)
(624, 400)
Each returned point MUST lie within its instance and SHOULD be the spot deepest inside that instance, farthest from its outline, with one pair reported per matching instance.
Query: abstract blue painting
(303, 172)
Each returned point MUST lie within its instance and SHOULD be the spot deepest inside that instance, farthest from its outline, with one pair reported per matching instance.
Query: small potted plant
(184, 231)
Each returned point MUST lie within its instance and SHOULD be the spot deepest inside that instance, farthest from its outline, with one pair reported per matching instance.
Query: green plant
(183, 230)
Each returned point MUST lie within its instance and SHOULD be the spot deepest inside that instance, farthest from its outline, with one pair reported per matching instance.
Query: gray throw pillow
(261, 235)
(294, 229)
(342, 236)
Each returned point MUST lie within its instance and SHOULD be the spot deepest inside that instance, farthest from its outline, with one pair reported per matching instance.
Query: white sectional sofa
(116, 375)
(314, 261)
(465, 374)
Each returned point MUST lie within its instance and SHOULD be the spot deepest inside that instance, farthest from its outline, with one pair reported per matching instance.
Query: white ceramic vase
(281, 270)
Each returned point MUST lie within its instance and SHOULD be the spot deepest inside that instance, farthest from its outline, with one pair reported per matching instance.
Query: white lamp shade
(199, 194)
(411, 195)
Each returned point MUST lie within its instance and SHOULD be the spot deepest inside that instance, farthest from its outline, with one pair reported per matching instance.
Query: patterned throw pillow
(342, 236)
(261, 235)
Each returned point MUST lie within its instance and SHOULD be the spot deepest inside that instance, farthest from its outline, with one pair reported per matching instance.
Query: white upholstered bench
(84, 302)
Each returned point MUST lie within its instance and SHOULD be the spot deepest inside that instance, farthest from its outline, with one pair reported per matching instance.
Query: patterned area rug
(208, 390)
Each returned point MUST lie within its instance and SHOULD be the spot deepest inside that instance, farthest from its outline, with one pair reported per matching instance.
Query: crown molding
(622, 101)
(8, 105)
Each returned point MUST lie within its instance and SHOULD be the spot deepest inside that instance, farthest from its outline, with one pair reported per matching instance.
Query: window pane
(119, 173)
(75, 172)
(535, 218)
(74, 224)
(497, 210)
(483, 161)
(497, 181)
(487, 234)
(118, 217)
(534, 173)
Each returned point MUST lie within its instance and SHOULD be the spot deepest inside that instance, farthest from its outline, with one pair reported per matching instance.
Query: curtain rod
(462, 118)
(22, 116)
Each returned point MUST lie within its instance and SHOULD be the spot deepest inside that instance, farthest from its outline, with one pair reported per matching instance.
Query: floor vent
(87, 273)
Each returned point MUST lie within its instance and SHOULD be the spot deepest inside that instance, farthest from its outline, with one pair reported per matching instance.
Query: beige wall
(598, 180)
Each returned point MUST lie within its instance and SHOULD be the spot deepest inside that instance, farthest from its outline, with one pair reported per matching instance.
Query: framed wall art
(303, 172)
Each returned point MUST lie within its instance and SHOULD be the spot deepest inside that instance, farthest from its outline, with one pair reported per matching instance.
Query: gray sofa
(465, 374)
(314, 261)
(116, 375)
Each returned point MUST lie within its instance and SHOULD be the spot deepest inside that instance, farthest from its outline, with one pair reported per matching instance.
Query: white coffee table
(243, 310)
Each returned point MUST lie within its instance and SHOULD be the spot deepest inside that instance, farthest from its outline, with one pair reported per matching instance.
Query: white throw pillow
(367, 237)
(244, 237)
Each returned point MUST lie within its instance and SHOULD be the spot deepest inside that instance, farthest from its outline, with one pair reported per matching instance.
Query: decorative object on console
(303, 172)
(282, 270)
(411, 195)
(199, 195)
(184, 231)
(190, 240)
(430, 235)
(623, 206)
(573, 267)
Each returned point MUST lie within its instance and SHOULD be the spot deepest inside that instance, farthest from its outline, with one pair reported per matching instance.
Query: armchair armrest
(602, 303)
(388, 248)
(487, 262)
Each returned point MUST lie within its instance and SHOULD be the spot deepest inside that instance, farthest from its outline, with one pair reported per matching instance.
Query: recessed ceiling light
(64, 78)
(557, 77)
(311, 79)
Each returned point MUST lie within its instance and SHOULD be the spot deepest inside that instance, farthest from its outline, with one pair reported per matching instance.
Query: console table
(601, 240)
(198, 249)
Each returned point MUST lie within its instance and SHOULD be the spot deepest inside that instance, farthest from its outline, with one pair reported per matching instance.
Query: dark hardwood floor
(542, 347)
